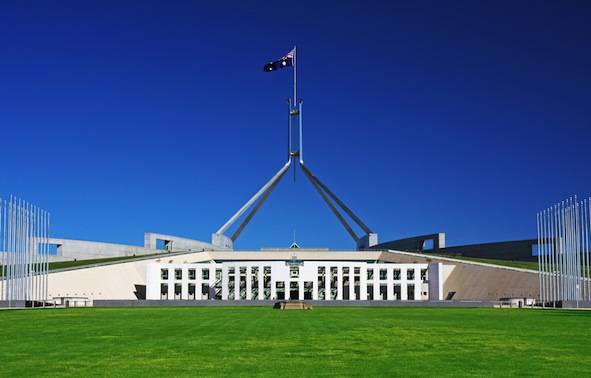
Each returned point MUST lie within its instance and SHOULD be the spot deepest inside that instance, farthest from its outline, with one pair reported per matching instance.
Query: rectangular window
(321, 270)
(410, 274)
(178, 274)
(191, 274)
(308, 289)
(191, 291)
(218, 274)
(231, 270)
(396, 274)
(424, 275)
(163, 291)
(205, 274)
(397, 292)
(370, 292)
(204, 291)
(231, 291)
(357, 270)
(254, 278)
(242, 270)
(383, 274)
(280, 289)
(410, 294)
(345, 270)
(370, 274)
(242, 287)
(294, 271)
(177, 291)
(383, 292)
(164, 274)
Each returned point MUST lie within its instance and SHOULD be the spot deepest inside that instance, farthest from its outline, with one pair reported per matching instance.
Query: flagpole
(295, 76)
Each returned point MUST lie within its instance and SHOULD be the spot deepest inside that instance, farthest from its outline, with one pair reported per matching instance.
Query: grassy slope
(512, 263)
(71, 264)
(325, 341)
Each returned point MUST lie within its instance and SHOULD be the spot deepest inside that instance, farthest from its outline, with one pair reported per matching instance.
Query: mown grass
(80, 263)
(533, 265)
(260, 341)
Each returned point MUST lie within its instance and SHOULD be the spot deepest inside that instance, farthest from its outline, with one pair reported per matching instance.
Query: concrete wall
(414, 243)
(469, 281)
(69, 249)
(476, 281)
(507, 250)
(111, 281)
(520, 250)
(176, 243)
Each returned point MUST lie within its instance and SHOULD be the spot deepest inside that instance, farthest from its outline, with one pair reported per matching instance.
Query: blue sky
(462, 117)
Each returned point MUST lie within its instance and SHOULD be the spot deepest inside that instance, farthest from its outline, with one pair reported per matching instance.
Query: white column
(340, 283)
(327, 279)
(403, 284)
(315, 285)
(301, 287)
(171, 286)
(224, 282)
(273, 286)
(211, 283)
(261, 283)
(390, 283)
(236, 282)
(376, 282)
(351, 283)
(184, 282)
(249, 282)
(418, 284)
(198, 281)
(363, 283)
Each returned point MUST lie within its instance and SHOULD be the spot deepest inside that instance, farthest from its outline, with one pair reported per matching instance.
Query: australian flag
(285, 61)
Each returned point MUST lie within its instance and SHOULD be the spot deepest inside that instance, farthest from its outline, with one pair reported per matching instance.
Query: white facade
(296, 280)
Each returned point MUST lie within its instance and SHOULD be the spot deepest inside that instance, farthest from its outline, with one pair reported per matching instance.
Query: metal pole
(47, 230)
(2, 260)
(572, 250)
(560, 252)
(289, 137)
(542, 251)
(583, 244)
(580, 266)
(19, 240)
(9, 251)
(554, 265)
(587, 251)
(36, 250)
(301, 132)
(29, 251)
(569, 250)
(545, 255)
(295, 76)
(539, 259)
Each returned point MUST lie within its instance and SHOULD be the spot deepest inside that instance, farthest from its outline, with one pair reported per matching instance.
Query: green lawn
(220, 341)
(80, 263)
(533, 265)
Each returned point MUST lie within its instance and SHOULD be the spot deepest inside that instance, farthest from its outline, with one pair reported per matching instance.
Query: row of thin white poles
(24, 256)
(564, 260)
